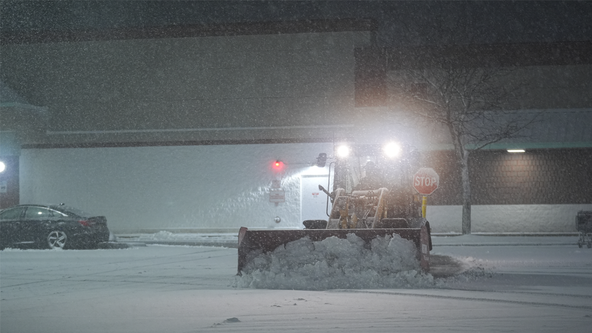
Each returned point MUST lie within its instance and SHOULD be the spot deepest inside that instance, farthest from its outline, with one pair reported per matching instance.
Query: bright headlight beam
(342, 151)
(392, 150)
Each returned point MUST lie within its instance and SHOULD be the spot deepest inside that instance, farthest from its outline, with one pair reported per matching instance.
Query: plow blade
(268, 240)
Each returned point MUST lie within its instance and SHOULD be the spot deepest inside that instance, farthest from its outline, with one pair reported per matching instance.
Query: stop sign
(426, 181)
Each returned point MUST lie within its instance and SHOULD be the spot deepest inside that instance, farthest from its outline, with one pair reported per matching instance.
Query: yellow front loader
(372, 197)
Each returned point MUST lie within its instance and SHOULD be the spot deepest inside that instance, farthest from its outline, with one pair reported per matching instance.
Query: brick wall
(545, 176)
(449, 190)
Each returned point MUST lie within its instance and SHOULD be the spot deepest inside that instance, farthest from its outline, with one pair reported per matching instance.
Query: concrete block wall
(538, 176)
(531, 219)
(544, 176)
(537, 191)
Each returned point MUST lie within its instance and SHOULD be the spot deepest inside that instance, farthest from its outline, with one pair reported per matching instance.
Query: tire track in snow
(83, 277)
(479, 299)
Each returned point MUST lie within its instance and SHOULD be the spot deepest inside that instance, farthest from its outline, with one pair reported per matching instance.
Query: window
(11, 214)
(37, 213)
(56, 214)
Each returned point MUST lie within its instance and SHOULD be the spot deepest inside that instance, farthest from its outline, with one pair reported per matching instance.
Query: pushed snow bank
(333, 263)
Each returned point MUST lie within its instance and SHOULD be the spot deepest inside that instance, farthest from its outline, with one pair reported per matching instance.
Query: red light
(278, 165)
(84, 223)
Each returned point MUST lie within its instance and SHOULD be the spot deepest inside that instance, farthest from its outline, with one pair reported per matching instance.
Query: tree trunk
(466, 192)
(462, 155)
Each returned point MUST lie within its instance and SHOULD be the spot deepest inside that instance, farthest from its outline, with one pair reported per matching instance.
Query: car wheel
(57, 239)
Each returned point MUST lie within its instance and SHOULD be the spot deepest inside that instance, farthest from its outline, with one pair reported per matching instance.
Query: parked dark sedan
(51, 226)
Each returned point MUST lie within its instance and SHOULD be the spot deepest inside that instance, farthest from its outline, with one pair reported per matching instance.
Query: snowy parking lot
(534, 284)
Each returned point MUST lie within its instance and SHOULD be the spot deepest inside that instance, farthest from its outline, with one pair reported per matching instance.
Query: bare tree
(449, 76)
(469, 102)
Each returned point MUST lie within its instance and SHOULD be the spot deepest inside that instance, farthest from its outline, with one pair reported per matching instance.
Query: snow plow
(372, 197)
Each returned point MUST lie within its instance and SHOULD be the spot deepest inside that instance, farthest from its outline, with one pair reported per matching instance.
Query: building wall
(516, 218)
(220, 187)
(540, 190)
(9, 181)
(551, 87)
(224, 187)
(194, 88)
(529, 88)
(539, 176)
(536, 177)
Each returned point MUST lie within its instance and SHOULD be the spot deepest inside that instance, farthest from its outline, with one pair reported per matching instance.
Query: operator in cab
(372, 179)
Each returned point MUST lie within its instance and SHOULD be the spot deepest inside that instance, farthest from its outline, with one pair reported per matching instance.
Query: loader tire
(419, 222)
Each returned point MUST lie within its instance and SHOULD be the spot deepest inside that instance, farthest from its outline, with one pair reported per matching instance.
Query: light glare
(342, 151)
(392, 150)
(516, 150)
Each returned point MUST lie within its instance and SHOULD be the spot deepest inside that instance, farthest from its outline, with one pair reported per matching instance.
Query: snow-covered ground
(525, 284)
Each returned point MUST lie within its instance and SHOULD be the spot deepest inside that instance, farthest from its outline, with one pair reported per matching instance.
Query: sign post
(425, 182)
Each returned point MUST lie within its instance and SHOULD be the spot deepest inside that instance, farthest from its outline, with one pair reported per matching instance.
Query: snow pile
(333, 263)
(163, 235)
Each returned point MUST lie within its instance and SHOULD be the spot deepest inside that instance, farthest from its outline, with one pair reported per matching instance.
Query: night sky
(399, 22)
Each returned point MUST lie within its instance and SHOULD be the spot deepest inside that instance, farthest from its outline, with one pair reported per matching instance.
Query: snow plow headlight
(342, 151)
(392, 150)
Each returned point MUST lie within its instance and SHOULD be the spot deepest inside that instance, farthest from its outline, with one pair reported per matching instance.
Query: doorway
(313, 202)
